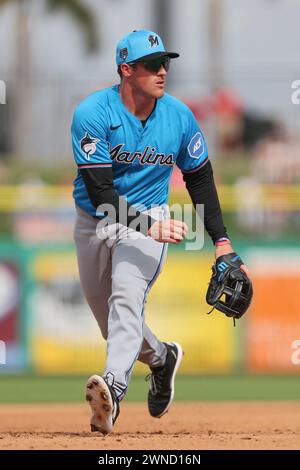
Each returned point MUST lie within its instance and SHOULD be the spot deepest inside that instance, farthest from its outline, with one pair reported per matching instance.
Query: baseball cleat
(162, 385)
(104, 404)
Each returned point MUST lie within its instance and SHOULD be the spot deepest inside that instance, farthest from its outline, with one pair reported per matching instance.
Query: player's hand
(168, 231)
(225, 250)
(230, 279)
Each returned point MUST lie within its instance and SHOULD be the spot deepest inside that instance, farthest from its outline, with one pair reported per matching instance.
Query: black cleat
(162, 385)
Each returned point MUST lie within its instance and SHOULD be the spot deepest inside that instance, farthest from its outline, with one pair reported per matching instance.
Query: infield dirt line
(206, 425)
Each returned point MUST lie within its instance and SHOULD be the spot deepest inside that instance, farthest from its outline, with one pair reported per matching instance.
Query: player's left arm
(199, 179)
(202, 190)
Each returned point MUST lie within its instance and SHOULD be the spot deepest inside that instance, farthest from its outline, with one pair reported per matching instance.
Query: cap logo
(124, 53)
(153, 40)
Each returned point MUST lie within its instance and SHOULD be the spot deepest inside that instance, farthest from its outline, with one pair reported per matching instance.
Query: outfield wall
(47, 327)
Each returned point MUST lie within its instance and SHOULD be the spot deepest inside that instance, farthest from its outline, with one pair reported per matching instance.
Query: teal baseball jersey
(106, 134)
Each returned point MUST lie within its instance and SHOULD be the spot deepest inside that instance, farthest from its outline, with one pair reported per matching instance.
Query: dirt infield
(206, 425)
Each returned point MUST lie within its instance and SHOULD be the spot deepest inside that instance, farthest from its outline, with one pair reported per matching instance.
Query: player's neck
(137, 104)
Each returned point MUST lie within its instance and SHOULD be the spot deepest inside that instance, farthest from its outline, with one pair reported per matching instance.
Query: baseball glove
(230, 290)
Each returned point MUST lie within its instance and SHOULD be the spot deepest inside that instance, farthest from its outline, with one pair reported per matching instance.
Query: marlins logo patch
(153, 40)
(88, 145)
(196, 146)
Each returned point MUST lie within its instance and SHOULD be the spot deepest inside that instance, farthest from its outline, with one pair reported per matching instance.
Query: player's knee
(126, 296)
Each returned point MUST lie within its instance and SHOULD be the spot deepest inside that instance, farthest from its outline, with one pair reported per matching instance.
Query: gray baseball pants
(117, 268)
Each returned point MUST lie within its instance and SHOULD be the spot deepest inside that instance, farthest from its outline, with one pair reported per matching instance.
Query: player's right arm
(90, 147)
(170, 231)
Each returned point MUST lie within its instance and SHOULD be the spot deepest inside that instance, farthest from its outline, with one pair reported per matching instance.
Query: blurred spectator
(235, 127)
(267, 201)
(255, 128)
(276, 161)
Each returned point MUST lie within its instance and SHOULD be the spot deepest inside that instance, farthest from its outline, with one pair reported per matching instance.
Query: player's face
(149, 78)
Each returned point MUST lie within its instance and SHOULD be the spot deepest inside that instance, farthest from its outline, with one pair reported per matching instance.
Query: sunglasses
(154, 65)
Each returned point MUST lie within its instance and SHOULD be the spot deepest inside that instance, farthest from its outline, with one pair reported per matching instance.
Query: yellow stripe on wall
(66, 340)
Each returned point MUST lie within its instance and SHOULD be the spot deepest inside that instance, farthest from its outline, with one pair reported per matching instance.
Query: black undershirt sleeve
(202, 190)
(100, 188)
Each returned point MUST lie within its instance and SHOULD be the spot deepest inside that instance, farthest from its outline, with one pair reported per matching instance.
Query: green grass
(32, 389)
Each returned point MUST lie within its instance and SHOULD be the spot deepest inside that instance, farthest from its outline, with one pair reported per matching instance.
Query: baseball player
(126, 140)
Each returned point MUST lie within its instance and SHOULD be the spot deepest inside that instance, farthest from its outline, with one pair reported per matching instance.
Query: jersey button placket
(139, 134)
(139, 139)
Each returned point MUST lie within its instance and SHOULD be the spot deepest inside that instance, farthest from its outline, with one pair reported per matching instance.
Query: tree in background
(82, 15)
